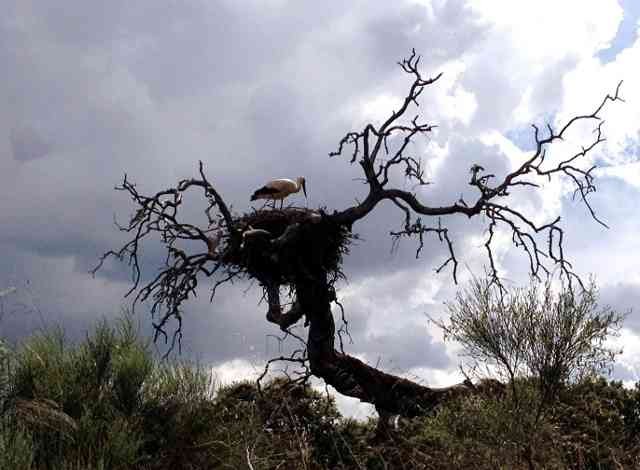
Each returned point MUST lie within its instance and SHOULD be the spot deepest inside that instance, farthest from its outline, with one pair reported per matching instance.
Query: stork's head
(303, 184)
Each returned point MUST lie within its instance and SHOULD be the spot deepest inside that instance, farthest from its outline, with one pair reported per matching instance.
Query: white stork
(280, 189)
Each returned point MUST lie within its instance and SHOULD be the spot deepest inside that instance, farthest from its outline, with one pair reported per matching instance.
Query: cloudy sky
(260, 89)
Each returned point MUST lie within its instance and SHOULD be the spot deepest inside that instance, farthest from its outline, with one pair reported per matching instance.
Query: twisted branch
(177, 281)
(378, 160)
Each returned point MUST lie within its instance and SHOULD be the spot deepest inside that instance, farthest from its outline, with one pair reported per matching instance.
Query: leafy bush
(107, 403)
(536, 340)
(16, 447)
(534, 332)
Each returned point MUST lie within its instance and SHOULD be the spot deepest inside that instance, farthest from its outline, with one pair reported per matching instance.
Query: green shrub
(106, 403)
(16, 447)
(598, 422)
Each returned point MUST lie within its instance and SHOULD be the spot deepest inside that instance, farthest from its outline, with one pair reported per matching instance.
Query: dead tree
(302, 250)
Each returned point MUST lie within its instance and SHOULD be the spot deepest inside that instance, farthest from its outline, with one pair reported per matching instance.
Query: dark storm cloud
(117, 68)
(278, 122)
(50, 292)
(408, 347)
(27, 144)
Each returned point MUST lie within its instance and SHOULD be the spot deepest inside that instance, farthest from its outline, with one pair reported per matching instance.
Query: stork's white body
(279, 189)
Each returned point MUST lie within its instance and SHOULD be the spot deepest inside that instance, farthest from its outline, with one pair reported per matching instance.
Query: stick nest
(297, 242)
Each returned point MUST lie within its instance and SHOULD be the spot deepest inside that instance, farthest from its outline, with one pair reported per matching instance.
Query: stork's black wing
(264, 191)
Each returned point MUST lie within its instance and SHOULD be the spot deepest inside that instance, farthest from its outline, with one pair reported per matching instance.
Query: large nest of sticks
(284, 245)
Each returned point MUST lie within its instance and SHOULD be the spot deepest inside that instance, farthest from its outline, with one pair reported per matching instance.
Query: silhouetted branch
(372, 151)
(159, 215)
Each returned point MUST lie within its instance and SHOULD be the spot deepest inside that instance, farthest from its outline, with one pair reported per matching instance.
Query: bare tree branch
(158, 215)
(371, 150)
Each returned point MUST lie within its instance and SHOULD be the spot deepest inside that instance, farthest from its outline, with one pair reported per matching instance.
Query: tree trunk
(349, 375)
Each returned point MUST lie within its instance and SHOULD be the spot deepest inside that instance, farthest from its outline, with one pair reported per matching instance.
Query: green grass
(108, 403)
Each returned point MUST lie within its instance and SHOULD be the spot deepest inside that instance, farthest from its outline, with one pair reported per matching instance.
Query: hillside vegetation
(107, 403)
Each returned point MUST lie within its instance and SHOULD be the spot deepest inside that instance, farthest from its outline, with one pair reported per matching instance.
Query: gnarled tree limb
(371, 151)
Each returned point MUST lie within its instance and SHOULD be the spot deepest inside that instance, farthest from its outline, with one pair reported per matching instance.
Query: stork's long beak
(304, 188)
